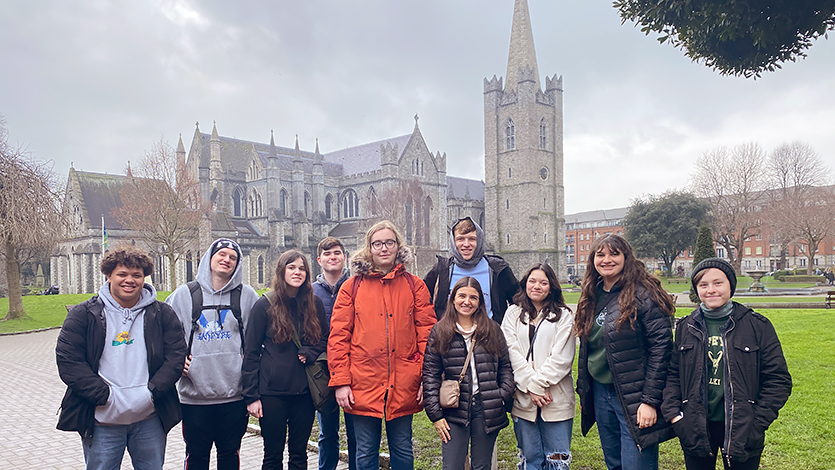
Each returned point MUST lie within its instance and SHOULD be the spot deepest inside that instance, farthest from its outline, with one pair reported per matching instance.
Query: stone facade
(523, 158)
(272, 198)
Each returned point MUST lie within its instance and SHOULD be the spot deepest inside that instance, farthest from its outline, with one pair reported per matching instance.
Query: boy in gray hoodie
(214, 411)
(120, 354)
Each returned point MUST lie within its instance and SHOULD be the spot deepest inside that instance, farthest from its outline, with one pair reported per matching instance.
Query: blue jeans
(399, 434)
(144, 440)
(619, 450)
(329, 438)
(543, 445)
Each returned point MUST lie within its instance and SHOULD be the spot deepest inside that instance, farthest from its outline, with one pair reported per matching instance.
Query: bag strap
(466, 363)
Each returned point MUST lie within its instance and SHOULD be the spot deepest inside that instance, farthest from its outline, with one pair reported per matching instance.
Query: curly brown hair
(633, 276)
(280, 320)
(128, 256)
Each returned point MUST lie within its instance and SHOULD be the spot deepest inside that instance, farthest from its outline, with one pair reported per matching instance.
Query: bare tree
(403, 204)
(161, 202)
(801, 208)
(733, 181)
(30, 218)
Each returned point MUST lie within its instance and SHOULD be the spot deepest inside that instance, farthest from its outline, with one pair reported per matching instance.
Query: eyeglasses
(378, 245)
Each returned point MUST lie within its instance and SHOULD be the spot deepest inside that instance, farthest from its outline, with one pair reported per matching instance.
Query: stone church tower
(523, 158)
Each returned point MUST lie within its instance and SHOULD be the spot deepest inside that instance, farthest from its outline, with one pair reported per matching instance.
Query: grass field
(800, 439)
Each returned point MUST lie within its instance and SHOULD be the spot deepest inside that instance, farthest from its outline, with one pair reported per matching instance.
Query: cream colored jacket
(549, 369)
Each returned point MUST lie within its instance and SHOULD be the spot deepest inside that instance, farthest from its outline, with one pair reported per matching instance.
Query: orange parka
(377, 341)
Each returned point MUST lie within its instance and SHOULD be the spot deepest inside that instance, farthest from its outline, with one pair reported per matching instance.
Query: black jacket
(503, 285)
(79, 350)
(495, 382)
(638, 359)
(757, 383)
(272, 368)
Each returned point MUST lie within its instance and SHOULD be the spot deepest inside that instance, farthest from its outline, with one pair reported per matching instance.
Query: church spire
(522, 54)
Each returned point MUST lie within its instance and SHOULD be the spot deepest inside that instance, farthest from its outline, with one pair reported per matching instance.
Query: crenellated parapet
(553, 84)
(527, 74)
(493, 84)
(508, 98)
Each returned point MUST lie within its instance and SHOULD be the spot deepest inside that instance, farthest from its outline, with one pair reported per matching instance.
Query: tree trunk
(172, 273)
(13, 277)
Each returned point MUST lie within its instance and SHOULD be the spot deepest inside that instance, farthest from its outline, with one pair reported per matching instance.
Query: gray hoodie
(124, 360)
(214, 375)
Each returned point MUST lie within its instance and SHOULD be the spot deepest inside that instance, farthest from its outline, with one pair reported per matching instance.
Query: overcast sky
(95, 82)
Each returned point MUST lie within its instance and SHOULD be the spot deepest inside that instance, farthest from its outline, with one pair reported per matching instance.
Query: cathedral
(272, 198)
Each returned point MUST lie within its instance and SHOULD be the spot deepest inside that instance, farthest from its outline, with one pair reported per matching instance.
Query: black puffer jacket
(79, 350)
(757, 383)
(638, 359)
(495, 382)
(503, 285)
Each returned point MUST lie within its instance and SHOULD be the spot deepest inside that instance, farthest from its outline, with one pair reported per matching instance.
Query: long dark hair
(634, 274)
(486, 334)
(280, 319)
(553, 304)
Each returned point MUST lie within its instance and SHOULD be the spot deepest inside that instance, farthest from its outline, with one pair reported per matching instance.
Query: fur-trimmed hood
(362, 264)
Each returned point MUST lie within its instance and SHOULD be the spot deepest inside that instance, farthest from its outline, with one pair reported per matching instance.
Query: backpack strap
(235, 300)
(196, 310)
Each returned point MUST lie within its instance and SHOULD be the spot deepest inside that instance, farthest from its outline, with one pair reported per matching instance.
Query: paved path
(30, 395)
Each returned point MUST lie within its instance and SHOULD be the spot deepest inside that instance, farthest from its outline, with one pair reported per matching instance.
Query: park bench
(680, 280)
(829, 297)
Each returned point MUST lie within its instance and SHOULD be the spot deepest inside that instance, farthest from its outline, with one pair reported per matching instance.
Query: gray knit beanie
(719, 264)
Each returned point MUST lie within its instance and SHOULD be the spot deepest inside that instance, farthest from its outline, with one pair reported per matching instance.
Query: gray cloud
(96, 82)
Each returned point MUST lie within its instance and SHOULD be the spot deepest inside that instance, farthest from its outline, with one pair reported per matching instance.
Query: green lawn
(800, 439)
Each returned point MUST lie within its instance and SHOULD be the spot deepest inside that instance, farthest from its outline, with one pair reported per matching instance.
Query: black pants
(223, 425)
(290, 418)
(454, 452)
(716, 432)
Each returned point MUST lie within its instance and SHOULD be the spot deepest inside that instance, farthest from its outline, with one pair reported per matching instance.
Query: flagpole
(103, 236)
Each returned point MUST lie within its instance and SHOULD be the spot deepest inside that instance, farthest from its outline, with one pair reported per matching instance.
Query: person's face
(294, 273)
(466, 301)
(126, 285)
(608, 264)
(537, 286)
(332, 260)
(383, 249)
(465, 243)
(223, 262)
(714, 288)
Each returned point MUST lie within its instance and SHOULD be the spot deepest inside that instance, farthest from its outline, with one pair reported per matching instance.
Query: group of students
(392, 339)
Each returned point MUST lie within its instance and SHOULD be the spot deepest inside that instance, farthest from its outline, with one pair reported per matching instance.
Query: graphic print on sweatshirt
(123, 338)
(213, 330)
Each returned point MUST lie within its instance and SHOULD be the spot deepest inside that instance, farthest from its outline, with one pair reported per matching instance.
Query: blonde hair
(363, 255)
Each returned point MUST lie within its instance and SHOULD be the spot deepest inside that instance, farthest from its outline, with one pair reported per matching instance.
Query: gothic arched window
(350, 204)
(328, 206)
(427, 206)
(409, 220)
(307, 204)
(260, 270)
(543, 133)
(238, 203)
(372, 196)
(282, 202)
(510, 135)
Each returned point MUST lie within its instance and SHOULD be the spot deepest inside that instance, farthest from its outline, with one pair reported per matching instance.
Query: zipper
(729, 401)
(388, 345)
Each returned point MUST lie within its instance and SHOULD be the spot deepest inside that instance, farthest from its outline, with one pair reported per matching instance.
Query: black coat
(503, 285)
(271, 368)
(757, 383)
(79, 350)
(495, 382)
(638, 359)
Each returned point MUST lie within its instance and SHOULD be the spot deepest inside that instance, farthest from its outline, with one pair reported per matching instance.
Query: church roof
(366, 157)
(465, 188)
(99, 196)
(608, 216)
(345, 229)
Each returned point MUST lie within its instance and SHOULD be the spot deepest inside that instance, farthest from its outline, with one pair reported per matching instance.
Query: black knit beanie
(719, 264)
(221, 243)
